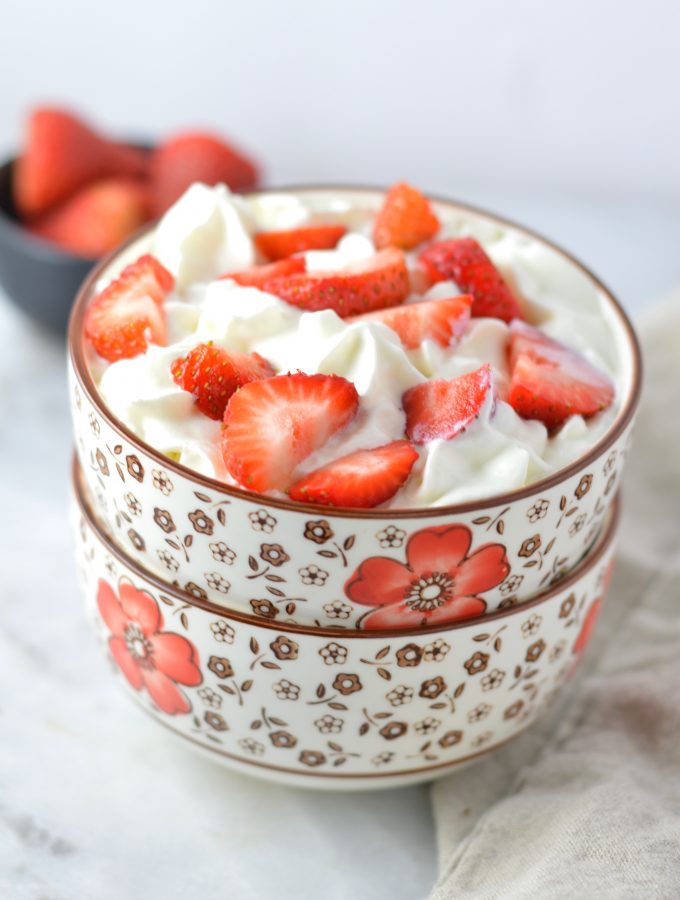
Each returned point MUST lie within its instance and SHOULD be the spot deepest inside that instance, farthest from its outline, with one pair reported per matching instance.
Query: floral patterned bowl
(329, 708)
(372, 569)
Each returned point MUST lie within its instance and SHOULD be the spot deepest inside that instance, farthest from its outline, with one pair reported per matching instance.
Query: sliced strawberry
(281, 244)
(96, 218)
(128, 314)
(405, 220)
(257, 276)
(374, 283)
(464, 261)
(63, 154)
(362, 479)
(197, 156)
(271, 426)
(212, 374)
(550, 381)
(442, 409)
(437, 320)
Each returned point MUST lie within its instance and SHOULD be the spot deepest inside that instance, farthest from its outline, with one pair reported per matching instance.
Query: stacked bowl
(248, 624)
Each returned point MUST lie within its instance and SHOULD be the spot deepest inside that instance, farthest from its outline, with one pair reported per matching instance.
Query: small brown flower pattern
(476, 663)
(133, 504)
(427, 726)
(530, 546)
(383, 759)
(216, 721)
(393, 730)
(210, 697)
(136, 540)
(162, 482)
(333, 654)
(577, 524)
(557, 651)
(220, 666)
(260, 520)
(450, 739)
(283, 739)
(217, 583)
(286, 690)
(312, 758)
(313, 575)
(535, 650)
(514, 710)
(201, 521)
(102, 463)
(222, 631)
(391, 537)
(93, 422)
(482, 739)
(493, 680)
(567, 606)
(264, 608)
(610, 463)
(400, 695)
(221, 553)
(583, 487)
(409, 655)
(168, 560)
(195, 590)
(479, 713)
(531, 626)
(134, 467)
(337, 610)
(329, 724)
(511, 585)
(255, 748)
(436, 651)
(538, 511)
(432, 688)
(164, 520)
(274, 554)
(284, 648)
(318, 530)
(347, 684)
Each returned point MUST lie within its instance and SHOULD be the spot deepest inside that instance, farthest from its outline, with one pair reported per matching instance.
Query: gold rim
(587, 563)
(77, 353)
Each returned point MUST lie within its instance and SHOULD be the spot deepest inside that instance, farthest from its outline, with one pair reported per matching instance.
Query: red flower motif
(587, 628)
(148, 657)
(438, 583)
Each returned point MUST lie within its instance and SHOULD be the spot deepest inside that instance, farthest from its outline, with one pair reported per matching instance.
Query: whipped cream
(209, 233)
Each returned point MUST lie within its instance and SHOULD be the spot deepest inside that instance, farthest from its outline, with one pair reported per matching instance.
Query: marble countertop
(95, 801)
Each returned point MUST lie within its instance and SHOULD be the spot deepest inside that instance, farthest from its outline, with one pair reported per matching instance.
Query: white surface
(95, 804)
(575, 92)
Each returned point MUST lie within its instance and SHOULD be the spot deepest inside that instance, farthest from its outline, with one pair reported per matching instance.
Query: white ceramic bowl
(323, 566)
(329, 708)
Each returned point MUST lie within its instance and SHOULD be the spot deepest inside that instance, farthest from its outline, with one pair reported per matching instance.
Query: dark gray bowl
(36, 276)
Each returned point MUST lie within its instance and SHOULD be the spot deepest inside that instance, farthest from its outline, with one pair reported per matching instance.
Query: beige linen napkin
(587, 804)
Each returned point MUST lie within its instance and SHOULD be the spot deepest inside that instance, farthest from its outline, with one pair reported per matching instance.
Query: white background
(563, 115)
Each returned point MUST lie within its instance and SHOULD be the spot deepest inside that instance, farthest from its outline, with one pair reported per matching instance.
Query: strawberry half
(60, 156)
(551, 382)
(362, 479)
(281, 244)
(405, 220)
(374, 283)
(128, 314)
(271, 426)
(97, 218)
(442, 409)
(197, 156)
(464, 261)
(258, 276)
(437, 320)
(213, 374)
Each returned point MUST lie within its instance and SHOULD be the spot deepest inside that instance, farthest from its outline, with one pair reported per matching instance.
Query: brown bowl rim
(77, 353)
(591, 559)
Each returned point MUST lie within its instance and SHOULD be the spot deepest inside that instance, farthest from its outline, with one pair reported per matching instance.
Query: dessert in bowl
(329, 407)
(320, 707)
